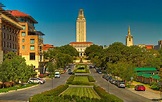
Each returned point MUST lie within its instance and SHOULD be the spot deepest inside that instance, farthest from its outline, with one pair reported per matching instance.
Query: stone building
(9, 31)
(81, 43)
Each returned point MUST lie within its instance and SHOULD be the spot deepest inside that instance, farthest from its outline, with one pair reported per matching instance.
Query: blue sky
(107, 20)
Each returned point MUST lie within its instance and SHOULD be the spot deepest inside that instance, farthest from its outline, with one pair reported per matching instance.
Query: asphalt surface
(123, 93)
(23, 95)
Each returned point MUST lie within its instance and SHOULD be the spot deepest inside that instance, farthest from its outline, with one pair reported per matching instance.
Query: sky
(107, 21)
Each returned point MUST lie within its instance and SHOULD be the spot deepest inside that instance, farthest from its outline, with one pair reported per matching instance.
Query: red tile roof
(18, 13)
(47, 46)
(149, 47)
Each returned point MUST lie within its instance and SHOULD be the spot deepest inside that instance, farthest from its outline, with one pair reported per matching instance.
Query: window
(4, 36)
(129, 39)
(23, 46)
(10, 45)
(23, 27)
(23, 40)
(23, 34)
(32, 41)
(32, 56)
(4, 44)
(4, 26)
(31, 47)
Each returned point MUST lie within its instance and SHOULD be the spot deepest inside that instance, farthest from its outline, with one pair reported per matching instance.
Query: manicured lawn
(81, 78)
(81, 91)
(80, 71)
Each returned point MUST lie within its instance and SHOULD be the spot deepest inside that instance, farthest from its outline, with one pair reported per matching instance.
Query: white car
(36, 80)
(57, 74)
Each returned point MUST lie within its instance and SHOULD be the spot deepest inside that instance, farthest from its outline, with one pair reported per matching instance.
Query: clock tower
(81, 27)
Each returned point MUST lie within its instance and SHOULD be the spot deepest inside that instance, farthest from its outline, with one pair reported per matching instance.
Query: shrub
(8, 84)
(41, 75)
(155, 86)
(70, 79)
(1, 85)
(48, 96)
(91, 79)
(106, 97)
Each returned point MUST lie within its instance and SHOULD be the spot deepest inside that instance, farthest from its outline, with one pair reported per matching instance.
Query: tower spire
(129, 38)
(129, 32)
(81, 13)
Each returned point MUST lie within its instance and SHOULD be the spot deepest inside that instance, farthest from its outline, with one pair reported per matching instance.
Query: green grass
(81, 78)
(80, 71)
(81, 92)
(16, 87)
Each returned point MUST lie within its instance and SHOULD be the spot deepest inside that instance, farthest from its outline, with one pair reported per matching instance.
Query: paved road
(23, 95)
(126, 95)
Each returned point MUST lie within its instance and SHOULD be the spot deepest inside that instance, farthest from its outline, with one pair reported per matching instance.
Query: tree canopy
(60, 57)
(14, 68)
(120, 60)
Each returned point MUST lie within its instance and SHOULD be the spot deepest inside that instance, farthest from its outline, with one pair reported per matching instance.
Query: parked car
(104, 76)
(121, 84)
(140, 88)
(112, 81)
(108, 78)
(98, 71)
(36, 80)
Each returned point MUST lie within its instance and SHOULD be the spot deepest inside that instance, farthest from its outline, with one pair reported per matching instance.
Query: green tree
(14, 68)
(59, 57)
(67, 49)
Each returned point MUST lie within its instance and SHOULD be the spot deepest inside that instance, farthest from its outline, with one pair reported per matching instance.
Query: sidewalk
(148, 93)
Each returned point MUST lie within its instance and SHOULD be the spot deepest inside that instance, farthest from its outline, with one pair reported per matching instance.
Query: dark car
(139, 88)
(108, 78)
(70, 72)
(112, 81)
(99, 71)
(104, 76)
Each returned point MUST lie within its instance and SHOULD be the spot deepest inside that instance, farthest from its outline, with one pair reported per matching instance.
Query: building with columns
(81, 44)
(129, 38)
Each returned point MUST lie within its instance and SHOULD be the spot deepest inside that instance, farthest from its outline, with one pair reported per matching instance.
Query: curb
(18, 89)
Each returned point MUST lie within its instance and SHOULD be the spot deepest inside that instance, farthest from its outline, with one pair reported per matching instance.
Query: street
(23, 95)
(122, 93)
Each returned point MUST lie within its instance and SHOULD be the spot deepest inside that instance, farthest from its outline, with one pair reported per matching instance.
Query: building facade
(9, 31)
(30, 41)
(80, 45)
(129, 38)
(81, 27)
